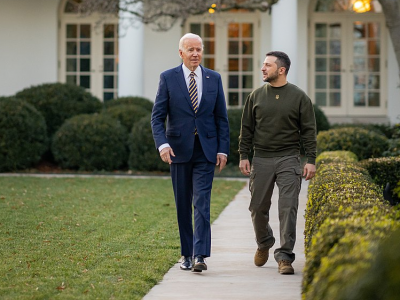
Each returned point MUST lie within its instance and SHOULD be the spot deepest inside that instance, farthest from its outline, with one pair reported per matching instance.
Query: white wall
(161, 53)
(393, 86)
(28, 44)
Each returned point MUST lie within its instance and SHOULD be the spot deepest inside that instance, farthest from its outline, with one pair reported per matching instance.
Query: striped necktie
(193, 92)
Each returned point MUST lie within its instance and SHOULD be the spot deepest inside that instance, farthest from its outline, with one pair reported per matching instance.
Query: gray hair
(189, 36)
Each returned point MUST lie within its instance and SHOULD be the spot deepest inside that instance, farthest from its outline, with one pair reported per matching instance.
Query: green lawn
(90, 238)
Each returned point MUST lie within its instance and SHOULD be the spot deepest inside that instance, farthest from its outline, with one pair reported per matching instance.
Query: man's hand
(166, 154)
(244, 166)
(309, 171)
(221, 161)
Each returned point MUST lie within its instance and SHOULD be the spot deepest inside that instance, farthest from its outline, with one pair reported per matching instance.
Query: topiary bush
(23, 135)
(361, 142)
(143, 154)
(128, 115)
(139, 101)
(60, 101)
(320, 119)
(91, 142)
(383, 129)
(327, 157)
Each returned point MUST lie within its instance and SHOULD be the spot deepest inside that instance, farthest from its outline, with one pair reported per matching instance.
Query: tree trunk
(391, 10)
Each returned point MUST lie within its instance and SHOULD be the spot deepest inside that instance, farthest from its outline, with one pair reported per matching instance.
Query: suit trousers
(192, 183)
(286, 173)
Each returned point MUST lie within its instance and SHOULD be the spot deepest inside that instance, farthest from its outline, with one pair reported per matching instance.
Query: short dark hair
(282, 59)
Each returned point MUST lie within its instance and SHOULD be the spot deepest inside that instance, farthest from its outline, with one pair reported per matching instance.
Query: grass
(89, 238)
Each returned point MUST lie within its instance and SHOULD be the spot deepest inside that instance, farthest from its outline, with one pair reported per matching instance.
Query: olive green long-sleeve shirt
(273, 121)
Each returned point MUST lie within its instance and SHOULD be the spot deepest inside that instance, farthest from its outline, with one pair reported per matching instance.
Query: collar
(186, 71)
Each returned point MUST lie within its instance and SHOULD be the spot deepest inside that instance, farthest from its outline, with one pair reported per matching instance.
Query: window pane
(233, 82)
(359, 99)
(109, 31)
(233, 30)
(71, 48)
(108, 96)
(209, 63)
(373, 48)
(320, 64)
(108, 82)
(373, 65)
(334, 99)
(320, 30)
(233, 47)
(108, 64)
(335, 31)
(209, 47)
(247, 30)
(320, 82)
(195, 28)
(320, 99)
(209, 30)
(334, 81)
(320, 47)
(360, 47)
(374, 30)
(359, 64)
(85, 64)
(247, 64)
(359, 30)
(71, 65)
(359, 82)
(245, 95)
(247, 47)
(71, 31)
(335, 47)
(334, 64)
(373, 82)
(85, 48)
(233, 64)
(233, 99)
(373, 99)
(247, 82)
(85, 31)
(85, 81)
(108, 48)
(71, 79)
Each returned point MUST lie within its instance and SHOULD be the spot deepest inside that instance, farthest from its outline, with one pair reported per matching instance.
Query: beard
(272, 78)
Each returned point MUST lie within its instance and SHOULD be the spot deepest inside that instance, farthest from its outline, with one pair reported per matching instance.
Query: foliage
(320, 119)
(128, 115)
(361, 142)
(59, 102)
(383, 129)
(393, 148)
(91, 142)
(138, 101)
(143, 154)
(90, 238)
(23, 135)
(235, 120)
(335, 156)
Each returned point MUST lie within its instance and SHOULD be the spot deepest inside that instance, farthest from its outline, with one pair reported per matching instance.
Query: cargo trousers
(286, 173)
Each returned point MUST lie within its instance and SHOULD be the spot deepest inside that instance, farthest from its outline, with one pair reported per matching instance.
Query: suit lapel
(206, 78)
(182, 84)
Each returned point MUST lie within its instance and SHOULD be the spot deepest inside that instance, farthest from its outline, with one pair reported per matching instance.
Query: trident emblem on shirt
(277, 97)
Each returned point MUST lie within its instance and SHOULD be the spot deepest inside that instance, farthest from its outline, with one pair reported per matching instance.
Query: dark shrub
(91, 142)
(383, 129)
(143, 154)
(361, 142)
(320, 119)
(139, 101)
(59, 102)
(127, 114)
(235, 120)
(335, 156)
(23, 135)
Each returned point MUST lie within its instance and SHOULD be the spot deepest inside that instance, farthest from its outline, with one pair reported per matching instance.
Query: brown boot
(261, 257)
(285, 267)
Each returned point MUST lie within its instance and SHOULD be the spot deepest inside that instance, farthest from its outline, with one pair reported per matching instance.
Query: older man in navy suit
(194, 140)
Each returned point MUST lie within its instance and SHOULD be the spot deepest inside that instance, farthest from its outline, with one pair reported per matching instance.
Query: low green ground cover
(89, 238)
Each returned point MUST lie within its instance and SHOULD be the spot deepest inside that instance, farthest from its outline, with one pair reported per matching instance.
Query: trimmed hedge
(361, 142)
(128, 115)
(91, 142)
(383, 129)
(335, 156)
(59, 102)
(139, 101)
(320, 119)
(23, 135)
(143, 154)
(235, 120)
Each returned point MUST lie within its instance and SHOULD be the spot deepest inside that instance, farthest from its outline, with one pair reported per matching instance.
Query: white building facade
(344, 60)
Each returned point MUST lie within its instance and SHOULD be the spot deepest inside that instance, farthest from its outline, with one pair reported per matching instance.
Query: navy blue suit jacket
(173, 104)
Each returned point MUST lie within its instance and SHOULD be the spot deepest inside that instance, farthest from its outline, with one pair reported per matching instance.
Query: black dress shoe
(199, 264)
(187, 263)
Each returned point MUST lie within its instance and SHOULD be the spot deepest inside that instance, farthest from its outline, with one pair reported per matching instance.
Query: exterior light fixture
(211, 10)
(362, 6)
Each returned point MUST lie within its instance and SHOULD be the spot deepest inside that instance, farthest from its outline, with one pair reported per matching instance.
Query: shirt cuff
(223, 154)
(166, 145)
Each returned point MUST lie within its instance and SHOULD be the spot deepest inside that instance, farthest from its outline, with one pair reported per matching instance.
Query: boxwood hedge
(128, 115)
(139, 101)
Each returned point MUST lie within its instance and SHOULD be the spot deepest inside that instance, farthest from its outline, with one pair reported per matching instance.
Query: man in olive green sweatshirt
(275, 117)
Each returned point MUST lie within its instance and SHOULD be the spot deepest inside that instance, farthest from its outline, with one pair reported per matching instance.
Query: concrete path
(231, 272)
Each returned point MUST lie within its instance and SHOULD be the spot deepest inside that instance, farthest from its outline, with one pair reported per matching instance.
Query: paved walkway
(231, 272)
